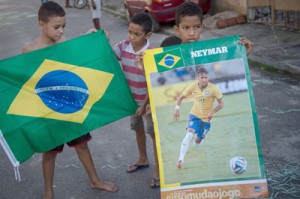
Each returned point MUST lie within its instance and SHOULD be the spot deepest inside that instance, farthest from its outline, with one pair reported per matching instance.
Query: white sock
(197, 144)
(185, 145)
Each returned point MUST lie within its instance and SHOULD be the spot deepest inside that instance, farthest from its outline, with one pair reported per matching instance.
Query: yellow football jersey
(203, 99)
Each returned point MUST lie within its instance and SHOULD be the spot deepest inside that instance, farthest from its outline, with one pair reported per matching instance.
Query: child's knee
(48, 156)
(81, 147)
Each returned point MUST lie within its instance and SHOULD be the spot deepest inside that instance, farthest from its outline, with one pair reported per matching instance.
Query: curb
(223, 23)
(123, 16)
(114, 12)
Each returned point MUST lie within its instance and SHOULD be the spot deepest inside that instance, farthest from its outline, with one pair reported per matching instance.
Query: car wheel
(80, 3)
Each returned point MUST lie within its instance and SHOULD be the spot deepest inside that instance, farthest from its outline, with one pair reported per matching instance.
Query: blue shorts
(201, 128)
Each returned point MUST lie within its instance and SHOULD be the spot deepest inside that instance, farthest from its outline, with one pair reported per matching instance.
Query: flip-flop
(155, 183)
(137, 167)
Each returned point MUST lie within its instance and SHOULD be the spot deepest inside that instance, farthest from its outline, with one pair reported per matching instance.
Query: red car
(162, 11)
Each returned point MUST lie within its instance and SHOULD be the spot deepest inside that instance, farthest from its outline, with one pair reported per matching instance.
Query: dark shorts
(142, 122)
(78, 141)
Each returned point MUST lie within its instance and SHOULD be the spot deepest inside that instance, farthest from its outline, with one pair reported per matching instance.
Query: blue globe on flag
(169, 60)
(62, 91)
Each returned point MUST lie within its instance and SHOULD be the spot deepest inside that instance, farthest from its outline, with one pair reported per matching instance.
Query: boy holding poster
(188, 24)
(188, 27)
(139, 33)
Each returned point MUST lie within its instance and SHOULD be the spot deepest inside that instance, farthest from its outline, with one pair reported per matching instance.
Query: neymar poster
(205, 120)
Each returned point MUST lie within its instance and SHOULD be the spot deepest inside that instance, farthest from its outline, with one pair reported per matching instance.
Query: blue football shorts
(201, 128)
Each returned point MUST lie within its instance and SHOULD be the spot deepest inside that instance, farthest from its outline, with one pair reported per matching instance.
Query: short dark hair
(188, 9)
(201, 71)
(50, 9)
(144, 20)
(169, 41)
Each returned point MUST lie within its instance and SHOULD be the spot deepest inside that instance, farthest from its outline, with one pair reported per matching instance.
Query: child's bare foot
(106, 186)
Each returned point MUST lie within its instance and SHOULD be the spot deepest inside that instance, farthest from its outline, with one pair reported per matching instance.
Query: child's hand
(148, 110)
(247, 43)
(140, 111)
(139, 61)
(93, 4)
(106, 34)
(95, 30)
(91, 30)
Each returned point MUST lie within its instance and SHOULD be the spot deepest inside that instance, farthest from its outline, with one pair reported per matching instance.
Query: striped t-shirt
(134, 76)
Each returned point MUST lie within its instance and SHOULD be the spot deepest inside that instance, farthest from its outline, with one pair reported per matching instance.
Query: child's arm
(92, 4)
(25, 49)
(139, 61)
(95, 30)
(117, 48)
(142, 109)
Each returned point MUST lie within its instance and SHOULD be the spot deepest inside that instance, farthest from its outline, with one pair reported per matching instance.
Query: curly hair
(188, 9)
(144, 20)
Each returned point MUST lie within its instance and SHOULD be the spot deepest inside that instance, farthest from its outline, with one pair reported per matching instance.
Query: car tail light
(161, 1)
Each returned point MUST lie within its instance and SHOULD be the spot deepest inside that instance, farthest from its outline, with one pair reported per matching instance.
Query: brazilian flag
(169, 59)
(56, 94)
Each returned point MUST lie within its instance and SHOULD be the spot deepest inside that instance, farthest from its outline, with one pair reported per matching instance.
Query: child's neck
(138, 48)
(47, 41)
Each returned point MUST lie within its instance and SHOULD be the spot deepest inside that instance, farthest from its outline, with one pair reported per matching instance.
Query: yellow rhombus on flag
(56, 94)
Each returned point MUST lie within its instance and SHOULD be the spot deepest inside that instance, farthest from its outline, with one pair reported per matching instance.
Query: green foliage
(262, 66)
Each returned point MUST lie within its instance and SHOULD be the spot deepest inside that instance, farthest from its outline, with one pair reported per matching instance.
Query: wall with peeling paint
(239, 6)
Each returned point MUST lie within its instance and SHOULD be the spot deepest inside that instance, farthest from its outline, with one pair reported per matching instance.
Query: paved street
(113, 146)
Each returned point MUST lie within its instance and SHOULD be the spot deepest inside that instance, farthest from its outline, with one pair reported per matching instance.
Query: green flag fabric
(56, 94)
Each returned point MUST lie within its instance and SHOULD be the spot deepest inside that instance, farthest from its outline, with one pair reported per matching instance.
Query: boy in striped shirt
(139, 32)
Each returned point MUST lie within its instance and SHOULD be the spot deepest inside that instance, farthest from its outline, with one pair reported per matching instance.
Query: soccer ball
(238, 165)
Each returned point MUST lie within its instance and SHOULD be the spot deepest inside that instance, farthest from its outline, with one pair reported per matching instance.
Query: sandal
(155, 183)
(136, 167)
